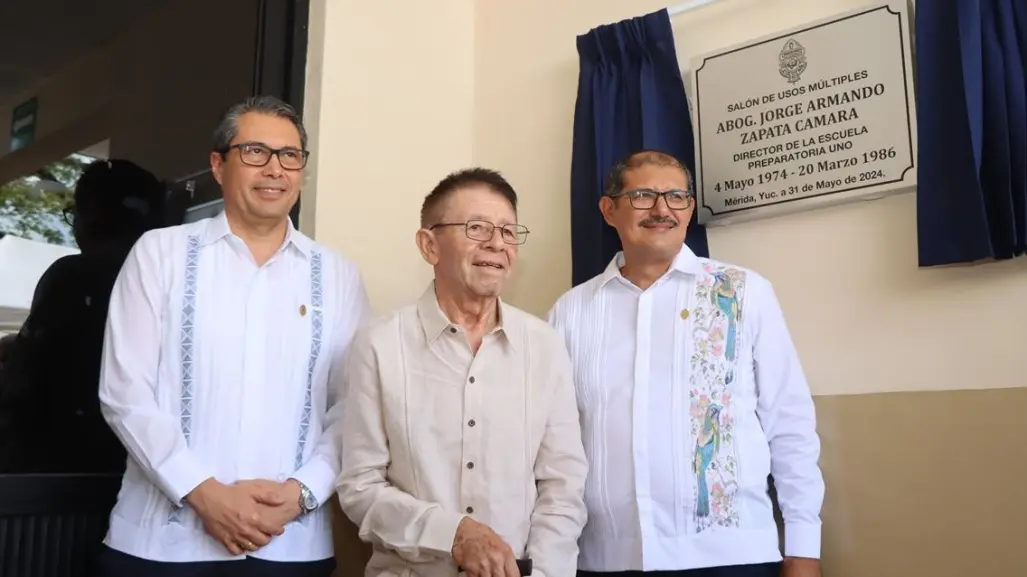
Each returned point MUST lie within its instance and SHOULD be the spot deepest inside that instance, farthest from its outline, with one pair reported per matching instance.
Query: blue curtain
(972, 124)
(630, 97)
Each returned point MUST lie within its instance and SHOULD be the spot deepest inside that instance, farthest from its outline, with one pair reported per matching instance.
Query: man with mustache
(691, 395)
(463, 448)
(221, 373)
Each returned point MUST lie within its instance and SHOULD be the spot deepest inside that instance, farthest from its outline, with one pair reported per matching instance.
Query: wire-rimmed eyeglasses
(646, 199)
(258, 154)
(483, 230)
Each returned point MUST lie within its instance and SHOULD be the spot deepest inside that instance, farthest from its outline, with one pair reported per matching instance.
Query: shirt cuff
(317, 476)
(440, 531)
(179, 475)
(802, 540)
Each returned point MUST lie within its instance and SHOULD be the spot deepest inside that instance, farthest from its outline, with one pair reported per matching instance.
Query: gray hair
(228, 127)
(615, 180)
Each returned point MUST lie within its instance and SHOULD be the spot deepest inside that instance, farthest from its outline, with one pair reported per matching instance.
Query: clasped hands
(245, 516)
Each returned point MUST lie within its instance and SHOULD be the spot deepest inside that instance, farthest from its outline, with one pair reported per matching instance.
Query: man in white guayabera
(691, 397)
(221, 374)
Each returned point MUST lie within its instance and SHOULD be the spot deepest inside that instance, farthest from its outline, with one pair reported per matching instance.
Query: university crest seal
(792, 61)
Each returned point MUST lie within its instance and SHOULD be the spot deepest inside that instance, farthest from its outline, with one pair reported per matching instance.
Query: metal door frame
(279, 69)
(280, 65)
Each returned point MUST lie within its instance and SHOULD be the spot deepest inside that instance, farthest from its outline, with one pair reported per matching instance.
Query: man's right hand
(479, 552)
(231, 514)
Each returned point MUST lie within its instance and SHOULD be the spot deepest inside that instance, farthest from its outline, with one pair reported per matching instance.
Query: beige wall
(924, 478)
(394, 112)
(155, 91)
(401, 104)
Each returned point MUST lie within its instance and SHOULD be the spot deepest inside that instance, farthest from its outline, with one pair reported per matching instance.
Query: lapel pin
(303, 310)
(684, 314)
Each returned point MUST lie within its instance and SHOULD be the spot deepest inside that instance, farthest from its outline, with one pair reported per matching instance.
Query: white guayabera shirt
(691, 394)
(216, 367)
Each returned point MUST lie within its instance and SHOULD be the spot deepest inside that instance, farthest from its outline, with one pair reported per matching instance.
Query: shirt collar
(685, 262)
(217, 228)
(434, 321)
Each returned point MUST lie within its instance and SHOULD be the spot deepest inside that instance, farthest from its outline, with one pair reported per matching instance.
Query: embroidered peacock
(706, 447)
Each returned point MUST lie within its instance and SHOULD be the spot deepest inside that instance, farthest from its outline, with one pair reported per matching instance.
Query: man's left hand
(800, 567)
(285, 508)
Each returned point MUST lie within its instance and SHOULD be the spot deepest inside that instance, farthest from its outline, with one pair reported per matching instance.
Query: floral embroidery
(717, 323)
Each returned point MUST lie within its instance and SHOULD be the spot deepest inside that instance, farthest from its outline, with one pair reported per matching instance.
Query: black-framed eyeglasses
(646, 199)
(483, 230)
(258, 154)
(68, 213)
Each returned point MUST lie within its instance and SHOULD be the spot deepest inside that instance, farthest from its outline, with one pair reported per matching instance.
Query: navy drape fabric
(972, 124)
(630, 97)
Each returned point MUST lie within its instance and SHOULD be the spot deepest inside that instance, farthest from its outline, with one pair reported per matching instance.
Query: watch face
(309, 502)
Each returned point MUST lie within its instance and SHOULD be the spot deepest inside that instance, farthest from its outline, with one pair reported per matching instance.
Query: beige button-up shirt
(434, 433)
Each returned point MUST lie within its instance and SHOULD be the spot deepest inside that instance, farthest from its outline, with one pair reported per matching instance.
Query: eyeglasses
(68, 212)
(256, 154)
(646, 199)
(483, 230)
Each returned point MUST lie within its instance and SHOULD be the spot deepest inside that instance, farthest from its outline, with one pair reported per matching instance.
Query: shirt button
(470, 465)
(470, 423)
(469, 509)
(452, 329)
(472, 380)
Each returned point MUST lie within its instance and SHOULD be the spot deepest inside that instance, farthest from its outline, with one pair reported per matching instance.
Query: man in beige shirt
(462, 443)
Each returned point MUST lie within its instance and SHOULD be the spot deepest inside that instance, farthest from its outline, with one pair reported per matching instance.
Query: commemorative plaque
(820, 114)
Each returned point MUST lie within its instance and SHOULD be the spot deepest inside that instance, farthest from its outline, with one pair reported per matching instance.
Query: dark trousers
(111, 563)
(758, 570)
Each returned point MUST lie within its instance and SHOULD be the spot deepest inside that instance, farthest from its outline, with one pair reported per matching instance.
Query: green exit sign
(23, 124)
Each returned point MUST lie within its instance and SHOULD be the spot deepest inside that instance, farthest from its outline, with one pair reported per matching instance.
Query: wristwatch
(308, 502)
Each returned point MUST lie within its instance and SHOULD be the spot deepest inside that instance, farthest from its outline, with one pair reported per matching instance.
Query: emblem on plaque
(792, 61)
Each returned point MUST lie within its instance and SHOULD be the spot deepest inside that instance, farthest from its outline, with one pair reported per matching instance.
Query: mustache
(655, 220)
